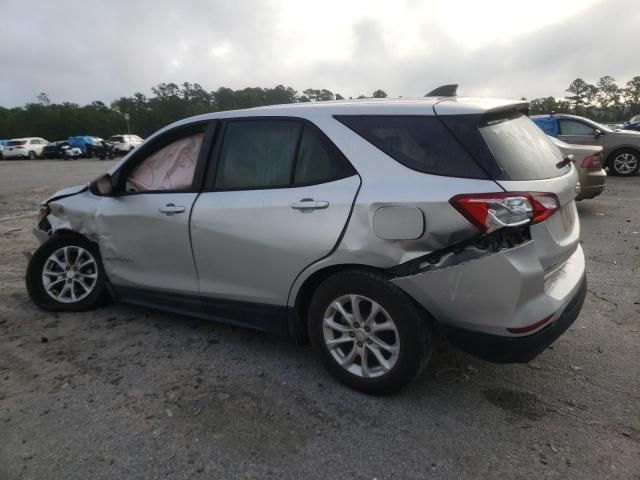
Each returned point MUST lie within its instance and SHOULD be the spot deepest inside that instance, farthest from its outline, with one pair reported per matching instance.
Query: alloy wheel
(625, 163)
(70, 274)
(361, 336)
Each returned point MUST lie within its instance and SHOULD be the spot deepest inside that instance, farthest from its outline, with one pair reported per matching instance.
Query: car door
(278, 200)
(143, 227)
(578, 132)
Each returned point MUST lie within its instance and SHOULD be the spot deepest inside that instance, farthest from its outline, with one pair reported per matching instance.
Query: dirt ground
(127, 392)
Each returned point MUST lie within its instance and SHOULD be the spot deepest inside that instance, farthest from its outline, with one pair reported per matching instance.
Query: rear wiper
(564, 162)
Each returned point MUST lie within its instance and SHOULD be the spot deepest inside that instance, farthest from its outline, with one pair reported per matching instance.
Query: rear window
(421, 143)
(521, 148)
(15, 143)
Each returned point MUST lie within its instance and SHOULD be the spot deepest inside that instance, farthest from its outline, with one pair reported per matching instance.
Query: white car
(124, 143)
(30, 147)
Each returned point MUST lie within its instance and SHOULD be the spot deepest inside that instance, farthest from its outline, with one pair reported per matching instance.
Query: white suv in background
(124, 143)
(30, 147)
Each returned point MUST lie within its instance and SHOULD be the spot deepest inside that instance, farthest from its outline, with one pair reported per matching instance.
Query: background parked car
(588, 162)
(30, 147)
(124, 143)
(632, 124)
(621, 148)
(2, 144)
(88, 144)
(62, 150)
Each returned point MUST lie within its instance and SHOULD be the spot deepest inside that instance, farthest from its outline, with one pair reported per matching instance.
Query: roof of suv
(421, 105)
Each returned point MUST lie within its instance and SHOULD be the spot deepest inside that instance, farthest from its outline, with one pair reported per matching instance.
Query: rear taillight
(492, 211)
(592, 161)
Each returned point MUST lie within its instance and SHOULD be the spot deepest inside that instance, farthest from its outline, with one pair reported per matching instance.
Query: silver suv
(362, 226)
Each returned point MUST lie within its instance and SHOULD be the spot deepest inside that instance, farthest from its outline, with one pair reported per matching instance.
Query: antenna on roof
(444, 91)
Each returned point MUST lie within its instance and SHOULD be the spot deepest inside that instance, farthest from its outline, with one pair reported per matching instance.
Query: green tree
(608, 97)
(379, 94)
(579, 90)
(43, 99)
(632, 95)
(317, 95)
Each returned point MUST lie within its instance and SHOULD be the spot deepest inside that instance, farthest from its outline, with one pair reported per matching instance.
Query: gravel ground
(127, 392)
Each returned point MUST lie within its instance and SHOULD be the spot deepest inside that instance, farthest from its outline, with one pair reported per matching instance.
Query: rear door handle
(171, 209)
(309, 204)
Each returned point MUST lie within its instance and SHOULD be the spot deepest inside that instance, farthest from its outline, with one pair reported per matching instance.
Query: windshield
(521, 148)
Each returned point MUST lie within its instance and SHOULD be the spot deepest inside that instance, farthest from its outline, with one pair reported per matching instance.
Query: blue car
(89, 145)
(2, 144)
(633, 124)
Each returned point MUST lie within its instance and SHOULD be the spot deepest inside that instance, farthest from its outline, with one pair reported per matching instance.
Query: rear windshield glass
(13, 143)
(421, 143)
(521, 148)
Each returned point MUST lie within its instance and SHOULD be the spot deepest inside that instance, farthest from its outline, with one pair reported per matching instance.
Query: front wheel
(66, 273)
(367, 332)
(624, 162)
(32, 155)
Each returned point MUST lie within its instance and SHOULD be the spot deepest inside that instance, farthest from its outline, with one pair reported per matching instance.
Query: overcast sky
(88, 50)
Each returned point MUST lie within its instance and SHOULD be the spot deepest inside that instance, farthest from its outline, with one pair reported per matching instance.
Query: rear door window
(521, 148)
(257, 153)
(421, 143)
(318, 161)
(273, 153)
(575, 127)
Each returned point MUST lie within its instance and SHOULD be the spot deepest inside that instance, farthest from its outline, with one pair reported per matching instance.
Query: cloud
(84, 51)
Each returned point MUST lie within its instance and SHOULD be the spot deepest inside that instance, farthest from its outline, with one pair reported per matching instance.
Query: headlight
(42, 213)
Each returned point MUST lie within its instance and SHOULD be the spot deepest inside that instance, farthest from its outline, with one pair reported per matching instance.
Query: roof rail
(444, 91)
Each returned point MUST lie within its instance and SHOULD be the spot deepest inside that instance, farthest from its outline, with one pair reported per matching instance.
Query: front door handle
(309, 204)
(171, 209)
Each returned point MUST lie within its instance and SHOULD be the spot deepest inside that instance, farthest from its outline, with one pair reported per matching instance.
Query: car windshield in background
(14, 143)
(521, 148)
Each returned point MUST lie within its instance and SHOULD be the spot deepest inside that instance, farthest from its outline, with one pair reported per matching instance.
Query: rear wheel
(367, 332)
(624, 162)
(66, 273)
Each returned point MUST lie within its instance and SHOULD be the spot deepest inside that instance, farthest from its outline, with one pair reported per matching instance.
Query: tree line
(604, 101)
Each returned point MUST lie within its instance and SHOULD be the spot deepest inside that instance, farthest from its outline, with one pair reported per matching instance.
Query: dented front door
(144, 241)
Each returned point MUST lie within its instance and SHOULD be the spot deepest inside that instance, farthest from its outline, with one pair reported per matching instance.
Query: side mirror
(102, 185)
(597, 133)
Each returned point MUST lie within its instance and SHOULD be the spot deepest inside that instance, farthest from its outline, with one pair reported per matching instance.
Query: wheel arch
(619, 148)
(304, 294)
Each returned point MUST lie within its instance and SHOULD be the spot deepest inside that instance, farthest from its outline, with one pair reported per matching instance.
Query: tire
(32, 155)
(403, 329)
(624, 162)
(64, 289)
(90, 153)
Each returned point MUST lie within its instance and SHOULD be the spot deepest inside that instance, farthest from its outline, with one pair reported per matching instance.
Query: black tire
(35, 283)
(32, 155)
(618, 169)
(90, 153)
(412, 330)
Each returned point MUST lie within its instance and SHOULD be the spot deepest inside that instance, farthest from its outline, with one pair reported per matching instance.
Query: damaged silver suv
(362, 226)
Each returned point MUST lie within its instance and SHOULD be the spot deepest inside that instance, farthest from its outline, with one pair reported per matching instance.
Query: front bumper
(499, 349)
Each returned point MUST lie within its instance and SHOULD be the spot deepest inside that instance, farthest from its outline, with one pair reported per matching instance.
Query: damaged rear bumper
(480, 302)
(499, 349)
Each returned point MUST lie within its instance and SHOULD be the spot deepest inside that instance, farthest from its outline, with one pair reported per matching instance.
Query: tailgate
(557, 237)
(521, 158)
